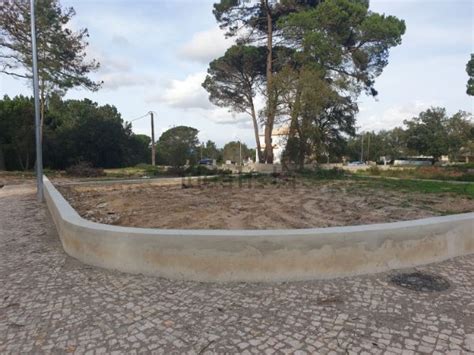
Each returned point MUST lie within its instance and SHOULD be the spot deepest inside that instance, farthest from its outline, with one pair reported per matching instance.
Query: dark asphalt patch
(419, 281)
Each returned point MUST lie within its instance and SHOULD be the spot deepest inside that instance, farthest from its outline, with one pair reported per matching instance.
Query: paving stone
(51, 303)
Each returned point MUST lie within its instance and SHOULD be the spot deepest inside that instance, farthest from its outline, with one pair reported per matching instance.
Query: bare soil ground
(256, 206)
(7, 178)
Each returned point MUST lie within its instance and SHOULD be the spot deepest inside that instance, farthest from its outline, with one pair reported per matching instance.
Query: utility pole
(153, 150)
(39, 152)
(368, 146)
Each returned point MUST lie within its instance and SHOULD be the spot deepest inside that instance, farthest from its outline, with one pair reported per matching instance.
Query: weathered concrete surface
(52, 304)
(261, 255)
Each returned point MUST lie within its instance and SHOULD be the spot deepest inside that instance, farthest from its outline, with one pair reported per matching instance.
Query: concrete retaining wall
(260, 255)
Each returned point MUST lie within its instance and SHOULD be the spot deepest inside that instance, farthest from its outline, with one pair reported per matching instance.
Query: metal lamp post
(39, 152)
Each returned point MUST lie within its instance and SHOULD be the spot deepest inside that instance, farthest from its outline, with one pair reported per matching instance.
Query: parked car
(356, 163)
(206, 162)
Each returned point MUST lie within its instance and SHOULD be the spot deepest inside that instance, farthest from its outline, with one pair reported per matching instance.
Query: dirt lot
(7, 178)
(256, 206)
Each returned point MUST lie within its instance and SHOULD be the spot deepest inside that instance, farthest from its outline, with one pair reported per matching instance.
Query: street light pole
(39, 152)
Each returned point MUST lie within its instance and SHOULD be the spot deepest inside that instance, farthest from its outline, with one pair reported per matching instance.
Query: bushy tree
(391, 144)
(460, 129)
(346, 40)
(62, 62)
(319, 117)
(470, 73)
(233, 80)
(209, 150)
(75, 131)
(254, 23)
(88, 132)
(340, 48)
(138, 150)
(431, 133)
(177, 146)
(235, 150)
(17, 133)
(340, 39)
(427, 132)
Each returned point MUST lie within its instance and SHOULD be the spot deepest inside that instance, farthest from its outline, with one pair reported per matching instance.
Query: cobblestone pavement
(50, 302)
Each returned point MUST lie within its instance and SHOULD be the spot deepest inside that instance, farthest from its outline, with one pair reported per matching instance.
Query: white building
(279, 138)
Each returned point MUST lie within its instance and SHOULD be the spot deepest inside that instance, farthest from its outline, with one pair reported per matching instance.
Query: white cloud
(124, 25)
(185, 94)
(221, 115)
(115, 64)
(114, 81)
(120, 41)
(116, 71)
(108, 63)
(431, 35)
(392, 116)
(206, 45)
(188, 94)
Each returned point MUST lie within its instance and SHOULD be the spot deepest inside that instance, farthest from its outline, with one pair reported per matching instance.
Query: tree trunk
(270, 99)
(20, 160)
(294, 115)
(2, 159)
(255, 129)
(302, 149)
(42, 108)
(27, 164)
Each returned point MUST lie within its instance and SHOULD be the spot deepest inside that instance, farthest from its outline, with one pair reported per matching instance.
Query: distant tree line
(432, 133)
(74, 131)
(83, 131)
(180, 145)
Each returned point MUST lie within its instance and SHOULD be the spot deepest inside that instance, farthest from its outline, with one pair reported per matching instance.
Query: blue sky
(154, 56)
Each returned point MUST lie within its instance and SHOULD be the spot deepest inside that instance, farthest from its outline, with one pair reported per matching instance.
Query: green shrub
(151, 170)
(224, 172)
(466, 177)
(199, 170)
(142, 166)
(334, 173)
(463, 166)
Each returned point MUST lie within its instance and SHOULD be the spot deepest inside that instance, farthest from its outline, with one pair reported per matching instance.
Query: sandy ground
(15, 179)
(258, 206)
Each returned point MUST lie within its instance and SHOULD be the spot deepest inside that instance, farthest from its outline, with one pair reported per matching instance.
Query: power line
(153, 149)
(138, 118)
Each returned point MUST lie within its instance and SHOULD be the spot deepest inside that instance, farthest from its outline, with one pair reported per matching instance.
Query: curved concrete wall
(260, 255)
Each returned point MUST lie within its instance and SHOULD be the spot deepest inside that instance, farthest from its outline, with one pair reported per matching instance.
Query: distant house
(279, 138)
(466, 154)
